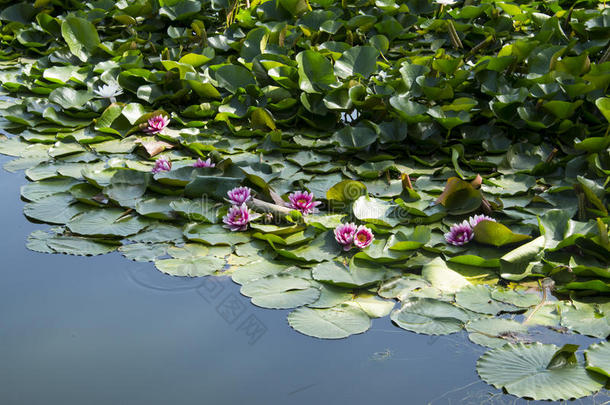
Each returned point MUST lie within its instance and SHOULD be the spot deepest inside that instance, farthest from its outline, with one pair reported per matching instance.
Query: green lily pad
(518, 298)
(357, 274)
(113, 222)
(280, 292)
(55, 209)
(430, 316)
(44, 242)
(439, 275)
(478, 298)
(598, 358)
(214, 235)
(496, 234)
(495, 332)
(586, 318)
(525, 371)
(191, 260)
(329, 323)
(144, 252)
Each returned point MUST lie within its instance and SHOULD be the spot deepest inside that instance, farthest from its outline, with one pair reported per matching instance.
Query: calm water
(105, 330)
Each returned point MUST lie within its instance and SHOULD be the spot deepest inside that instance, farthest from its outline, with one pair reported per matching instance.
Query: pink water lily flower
(459, 234)
(162, 165)
(237, 218)
(204, 163)
(156, 124)
(239, 195)
(303, 201)
(344, 234)
(363, 237)
(474, 220)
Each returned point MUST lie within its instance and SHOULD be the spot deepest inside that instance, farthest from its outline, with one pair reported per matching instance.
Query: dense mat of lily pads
(335, 157)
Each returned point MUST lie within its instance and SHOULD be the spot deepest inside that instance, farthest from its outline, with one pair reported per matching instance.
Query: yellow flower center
(361, 237)
(302, 201)
(237, 217)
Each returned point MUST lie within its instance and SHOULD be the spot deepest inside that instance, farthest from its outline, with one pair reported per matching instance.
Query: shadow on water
(106, 330)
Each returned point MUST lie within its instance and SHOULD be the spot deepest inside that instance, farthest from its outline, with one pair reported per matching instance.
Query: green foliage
(408, 117)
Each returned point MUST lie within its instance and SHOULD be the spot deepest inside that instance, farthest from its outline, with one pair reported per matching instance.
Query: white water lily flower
(108, 90)
(446, 2)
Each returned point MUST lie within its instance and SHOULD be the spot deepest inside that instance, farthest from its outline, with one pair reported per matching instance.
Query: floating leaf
(442, 277)
(522, 370)
(518, 298)
(213, 235)
(280, 292)
(478, 298)
(495, 332)
(190, 260)
(356, 275)
(430, 316)
(329, 323)
(80, 35)
(143, 252)
(585, 318)
(44, 242)
(598, 358)
(496, 234)
(106, 222)
(55, 209)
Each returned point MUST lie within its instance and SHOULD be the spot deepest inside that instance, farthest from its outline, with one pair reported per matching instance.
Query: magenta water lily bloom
(460, 234)
(162, 165)
(239, 195)
(303, 201)
(204, 163)
(237, 218)
(344, 234)
(363, 237)
(156, 124)
(474, 221)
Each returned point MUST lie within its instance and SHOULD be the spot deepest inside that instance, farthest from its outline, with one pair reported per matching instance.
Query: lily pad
(430, 316)
(478, 298)
(113, 222)
(280, 292)
(598, 358)
(495, 332)
(358, 274)
(526, 371)
(329, 323)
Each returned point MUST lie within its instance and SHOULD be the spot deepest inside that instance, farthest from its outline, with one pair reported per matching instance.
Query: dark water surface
(106, 330)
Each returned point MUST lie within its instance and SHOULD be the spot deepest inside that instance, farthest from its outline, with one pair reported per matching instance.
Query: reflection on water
(105, 330)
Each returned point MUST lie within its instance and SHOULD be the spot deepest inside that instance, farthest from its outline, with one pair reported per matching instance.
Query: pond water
(104, 330)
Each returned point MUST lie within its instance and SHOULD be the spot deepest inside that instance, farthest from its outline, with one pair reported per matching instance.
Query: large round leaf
(430, 316)
(280, 292)
(495, 332)
(515, 297)
(478, 298)
(80, 35)
(67, 97)
(234, 77)
(315, 72)
(356, 275)
(598, 358)
(55, 209)
(496, 234)
(523, 370)
(442, 277)
(190, 267)
(330, 323)
(358, 60)
(44, 242)
(586, 318)
(107, 222)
